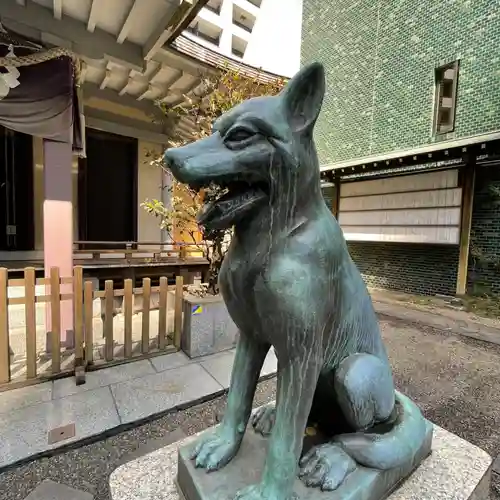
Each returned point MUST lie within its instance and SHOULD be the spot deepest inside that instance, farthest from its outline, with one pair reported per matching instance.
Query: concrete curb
(469, 329)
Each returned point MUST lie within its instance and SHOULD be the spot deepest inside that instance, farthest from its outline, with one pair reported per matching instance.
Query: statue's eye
(239, 134)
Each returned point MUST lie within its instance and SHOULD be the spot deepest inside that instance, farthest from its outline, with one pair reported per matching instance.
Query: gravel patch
(452, 378)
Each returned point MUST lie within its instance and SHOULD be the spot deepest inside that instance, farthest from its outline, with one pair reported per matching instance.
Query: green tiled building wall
(380, 57)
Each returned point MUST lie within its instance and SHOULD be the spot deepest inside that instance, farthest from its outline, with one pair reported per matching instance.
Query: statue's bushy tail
(393, 448)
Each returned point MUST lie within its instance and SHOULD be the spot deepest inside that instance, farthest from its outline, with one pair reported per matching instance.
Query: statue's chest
(237, 278)
(237, 284)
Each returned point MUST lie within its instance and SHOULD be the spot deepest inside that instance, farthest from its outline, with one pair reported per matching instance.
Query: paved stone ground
(452, 378)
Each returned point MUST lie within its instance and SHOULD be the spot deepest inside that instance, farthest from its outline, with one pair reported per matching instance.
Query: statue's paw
(325, 466)
(261, 492)
(263, 419)
(215, 450)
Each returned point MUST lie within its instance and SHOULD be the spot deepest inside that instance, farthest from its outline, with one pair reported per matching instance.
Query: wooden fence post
(162, 313)
(146, 306)
(89, 325)
(78, 327)
(4, 328)
(469, 176)
(128, 301)
(30, 319)
(55, 311)
(179, 292)
(108, 320)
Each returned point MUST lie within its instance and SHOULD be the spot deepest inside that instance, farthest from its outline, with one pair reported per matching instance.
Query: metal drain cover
(61, 433)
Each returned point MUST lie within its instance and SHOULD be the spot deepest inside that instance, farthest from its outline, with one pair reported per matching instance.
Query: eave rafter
(58, 9)
(127, 25)
(172, 23)
(93, 15)
(87, 39)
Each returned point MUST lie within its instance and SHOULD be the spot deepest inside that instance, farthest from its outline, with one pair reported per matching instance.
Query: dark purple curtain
(45, 103)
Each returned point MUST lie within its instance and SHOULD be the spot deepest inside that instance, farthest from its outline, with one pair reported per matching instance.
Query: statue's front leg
(215, 450)
(297, 379)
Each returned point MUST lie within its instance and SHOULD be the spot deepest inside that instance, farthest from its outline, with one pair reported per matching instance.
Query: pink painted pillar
(58, 228)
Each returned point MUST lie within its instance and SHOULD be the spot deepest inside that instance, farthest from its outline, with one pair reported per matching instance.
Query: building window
(243, 19)
(214, 6)
(238, 46)
(206, 31)
(446, 98)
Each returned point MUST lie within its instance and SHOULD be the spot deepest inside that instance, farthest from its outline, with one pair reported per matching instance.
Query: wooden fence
(125, 326)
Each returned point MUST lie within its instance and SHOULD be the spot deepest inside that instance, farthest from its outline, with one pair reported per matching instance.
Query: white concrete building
(262, 33)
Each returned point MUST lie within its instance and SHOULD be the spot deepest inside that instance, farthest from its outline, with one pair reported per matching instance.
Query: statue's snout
(177, 161)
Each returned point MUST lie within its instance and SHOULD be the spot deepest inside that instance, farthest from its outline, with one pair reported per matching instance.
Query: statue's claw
(215, 450)
(263, 420)
(325, 466)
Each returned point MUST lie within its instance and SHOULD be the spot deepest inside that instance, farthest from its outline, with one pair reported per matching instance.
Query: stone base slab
(455, 470)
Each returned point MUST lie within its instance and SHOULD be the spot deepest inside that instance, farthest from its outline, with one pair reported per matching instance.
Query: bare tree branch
(222, 92)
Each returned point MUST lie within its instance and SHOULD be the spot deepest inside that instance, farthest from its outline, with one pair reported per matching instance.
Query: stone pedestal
(455, 470)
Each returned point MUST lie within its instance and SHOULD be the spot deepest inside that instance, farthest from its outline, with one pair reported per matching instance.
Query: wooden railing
(130, 250)
(133, 323)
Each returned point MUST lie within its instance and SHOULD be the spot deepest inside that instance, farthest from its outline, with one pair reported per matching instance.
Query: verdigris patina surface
(289, 282)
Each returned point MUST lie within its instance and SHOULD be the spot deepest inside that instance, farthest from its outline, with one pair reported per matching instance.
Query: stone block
(220, 366)
(25, 432)
(170, 361)
(207, 327)
(25, 396)
(140, 398)
(101, 378)
(49, 490)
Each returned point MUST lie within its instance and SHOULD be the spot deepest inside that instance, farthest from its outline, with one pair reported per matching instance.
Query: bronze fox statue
(289, 282)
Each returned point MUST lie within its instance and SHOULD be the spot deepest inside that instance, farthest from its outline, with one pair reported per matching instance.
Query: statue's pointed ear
(302, 97)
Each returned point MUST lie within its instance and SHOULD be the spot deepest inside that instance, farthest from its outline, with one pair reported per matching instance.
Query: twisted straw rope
(39, 57)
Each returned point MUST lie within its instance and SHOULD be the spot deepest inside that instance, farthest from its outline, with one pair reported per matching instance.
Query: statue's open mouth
(239, 197)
